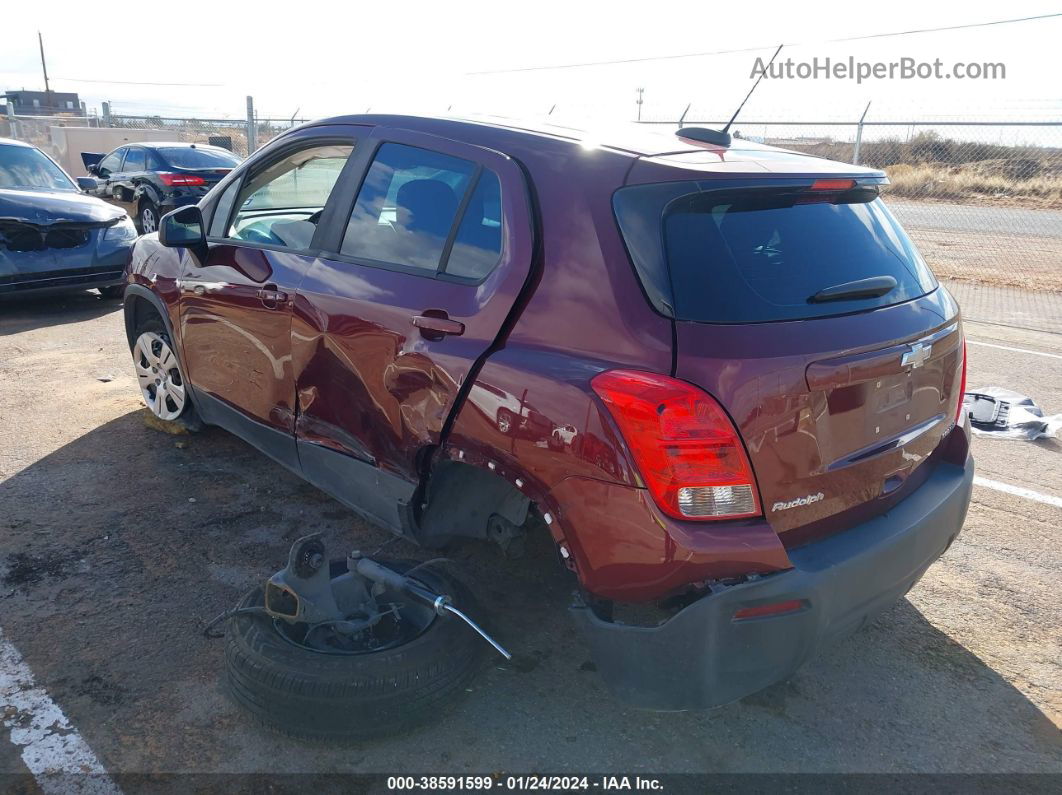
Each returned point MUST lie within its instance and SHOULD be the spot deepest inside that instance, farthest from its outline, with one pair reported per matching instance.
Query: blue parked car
(53, 237)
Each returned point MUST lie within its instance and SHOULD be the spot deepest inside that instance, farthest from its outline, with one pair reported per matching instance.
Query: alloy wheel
(160, 378)
(148, 222)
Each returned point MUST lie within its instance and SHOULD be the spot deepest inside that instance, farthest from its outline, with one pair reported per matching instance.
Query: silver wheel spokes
(160, 379)
(147, 221)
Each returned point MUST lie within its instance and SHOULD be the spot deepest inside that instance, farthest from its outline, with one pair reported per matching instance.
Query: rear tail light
(962, 383)
(684, 444)
(169, 179)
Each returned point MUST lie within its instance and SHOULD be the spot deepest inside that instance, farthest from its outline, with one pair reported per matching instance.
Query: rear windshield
(187, 157)
(743, 255)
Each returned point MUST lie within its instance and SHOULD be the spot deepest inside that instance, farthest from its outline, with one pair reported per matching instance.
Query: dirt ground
(118, 542)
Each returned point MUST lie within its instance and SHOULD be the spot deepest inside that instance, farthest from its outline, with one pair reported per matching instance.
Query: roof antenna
(552, 109)
(682, 118)
(758, 79)
(722, 137)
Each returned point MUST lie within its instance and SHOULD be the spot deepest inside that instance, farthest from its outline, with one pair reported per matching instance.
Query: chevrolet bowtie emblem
(917, 356)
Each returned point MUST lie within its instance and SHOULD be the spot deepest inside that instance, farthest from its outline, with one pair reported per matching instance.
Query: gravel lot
(118, 542)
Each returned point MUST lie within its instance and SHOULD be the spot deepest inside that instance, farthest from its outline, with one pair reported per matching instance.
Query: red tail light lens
(170, 180)
(684, 444)
(833, 184)
(962, 383)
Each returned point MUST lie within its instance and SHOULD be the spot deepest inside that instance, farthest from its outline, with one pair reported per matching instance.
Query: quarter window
(281, 204)
(407, 206)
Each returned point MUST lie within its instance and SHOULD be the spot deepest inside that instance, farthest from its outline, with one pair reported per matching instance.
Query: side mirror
(183, 228)
(93, 169)
(87, 184)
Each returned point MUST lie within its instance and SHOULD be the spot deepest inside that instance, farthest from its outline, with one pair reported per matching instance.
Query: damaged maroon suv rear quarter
(722, 376)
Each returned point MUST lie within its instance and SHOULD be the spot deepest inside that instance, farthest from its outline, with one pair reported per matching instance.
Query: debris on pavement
(1003, 414)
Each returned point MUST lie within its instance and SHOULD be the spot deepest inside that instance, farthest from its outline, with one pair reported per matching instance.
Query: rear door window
(407, 206)
(748, 256)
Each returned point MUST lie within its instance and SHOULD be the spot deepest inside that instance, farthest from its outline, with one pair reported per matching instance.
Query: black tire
(114, 291)
(147, 207)
(358, 697)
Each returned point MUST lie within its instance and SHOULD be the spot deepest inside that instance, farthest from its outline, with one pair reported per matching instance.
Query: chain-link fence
(36, 130)
(41, 131)
(983, 201)
(228, 133)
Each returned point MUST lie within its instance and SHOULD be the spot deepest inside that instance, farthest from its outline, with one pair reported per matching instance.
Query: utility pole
(640, 91)
(44, 67)
(252, 142)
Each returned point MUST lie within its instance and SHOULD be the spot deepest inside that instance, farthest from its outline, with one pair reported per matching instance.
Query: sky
(323, 58)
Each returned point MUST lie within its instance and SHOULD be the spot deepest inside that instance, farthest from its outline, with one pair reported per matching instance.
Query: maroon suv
(722, 376)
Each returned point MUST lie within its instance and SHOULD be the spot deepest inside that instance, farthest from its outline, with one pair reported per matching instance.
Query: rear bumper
(703, 657)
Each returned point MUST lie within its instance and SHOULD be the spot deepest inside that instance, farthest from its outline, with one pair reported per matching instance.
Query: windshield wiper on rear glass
(874, 287)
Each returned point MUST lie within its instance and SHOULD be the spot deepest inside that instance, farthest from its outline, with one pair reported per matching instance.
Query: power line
(755, 49)
(136, 83)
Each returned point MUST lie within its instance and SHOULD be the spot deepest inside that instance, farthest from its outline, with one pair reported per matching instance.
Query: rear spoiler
(91, 158)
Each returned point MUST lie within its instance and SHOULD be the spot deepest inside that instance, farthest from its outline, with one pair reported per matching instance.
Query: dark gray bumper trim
(702, 657)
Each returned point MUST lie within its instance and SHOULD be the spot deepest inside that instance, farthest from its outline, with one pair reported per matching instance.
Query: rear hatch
(804, 309)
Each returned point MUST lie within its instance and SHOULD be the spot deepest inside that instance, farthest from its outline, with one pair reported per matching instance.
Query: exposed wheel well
(138, 311)
(466, 501)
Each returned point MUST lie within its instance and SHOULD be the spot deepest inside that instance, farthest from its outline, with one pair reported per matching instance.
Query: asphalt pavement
(117, 544)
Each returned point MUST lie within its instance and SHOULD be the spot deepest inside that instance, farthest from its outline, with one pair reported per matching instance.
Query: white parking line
(1018, 491)
(54, 752)
(1009, 348)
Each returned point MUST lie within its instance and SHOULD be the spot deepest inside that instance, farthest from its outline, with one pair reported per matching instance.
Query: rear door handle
(435, 328)
(271, 297)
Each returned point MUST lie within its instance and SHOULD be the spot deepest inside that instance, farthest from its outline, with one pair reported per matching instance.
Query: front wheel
(148, 218)
(159, 375)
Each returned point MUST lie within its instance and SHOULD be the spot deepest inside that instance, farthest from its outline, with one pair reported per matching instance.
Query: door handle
(436, 326)
(271, 297)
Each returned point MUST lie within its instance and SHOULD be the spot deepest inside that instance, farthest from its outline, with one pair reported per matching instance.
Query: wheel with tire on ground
(328, 683)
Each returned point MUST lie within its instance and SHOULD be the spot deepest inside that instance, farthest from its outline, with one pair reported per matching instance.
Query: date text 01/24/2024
(523, 782)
